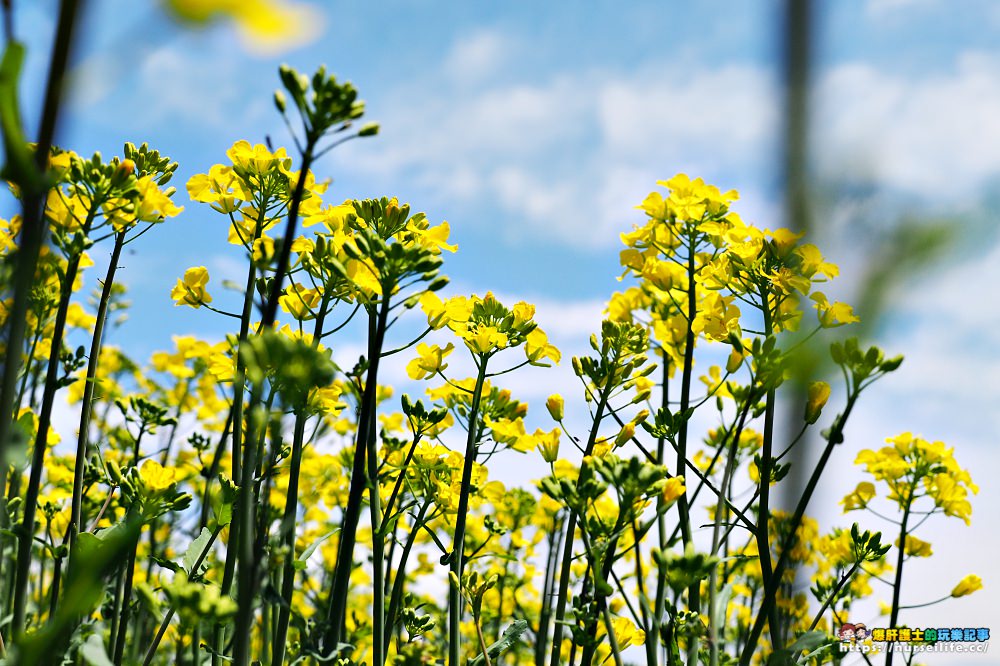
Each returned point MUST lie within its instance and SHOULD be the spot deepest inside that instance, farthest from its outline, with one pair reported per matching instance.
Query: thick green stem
(352, 512)
(458, 547)
(27, 528)
(34, 227)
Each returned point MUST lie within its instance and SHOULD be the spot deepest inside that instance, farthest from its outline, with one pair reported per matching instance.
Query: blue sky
(534, 129)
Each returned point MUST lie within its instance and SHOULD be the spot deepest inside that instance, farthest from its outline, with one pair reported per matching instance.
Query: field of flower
(253, 501)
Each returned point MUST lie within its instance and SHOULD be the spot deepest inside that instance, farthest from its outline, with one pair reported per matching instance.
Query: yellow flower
(156, 477)
(191, 290)
(859, 499)
(300, 302)
(548, 444)
(537, 347)
(834, 314)
(264, 25)
(967, 585)
(673, 489)
(429, 362)
(916, 547)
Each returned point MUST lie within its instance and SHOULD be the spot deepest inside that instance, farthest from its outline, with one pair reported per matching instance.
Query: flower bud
(555, 405)
(819, 393)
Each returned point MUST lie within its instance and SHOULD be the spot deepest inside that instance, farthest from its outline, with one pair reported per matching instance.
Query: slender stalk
(570, 532)
(720, 513)
(545, 615)
(239, 386)
(288, 529)
(458, 547)
(833, 595)
(836, 436)
(76, 519)
(897, 585)
(683, 508)
(396, 596)
(764, 511)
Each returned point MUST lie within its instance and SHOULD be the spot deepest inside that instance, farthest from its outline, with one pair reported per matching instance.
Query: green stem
(458, 547)
(27, 528)
(897, 585)
(239, 386)
(33, 228)
(764, 510)
(683, 509)
(570, 532)
(833, 595)
(288, 536)
(835, 437)
(86, 410)
(352, 512)
(396, 597)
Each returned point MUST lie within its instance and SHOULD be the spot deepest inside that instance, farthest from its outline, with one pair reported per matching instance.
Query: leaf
(19, 168)
(300, 563)
(93, 653)
(511, 635)
(808, 641)
(167, 564)
(194, 551)
(721, 603)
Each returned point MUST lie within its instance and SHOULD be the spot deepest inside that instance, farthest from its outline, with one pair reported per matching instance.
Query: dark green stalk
(352, 512)
(378, 552)
(458, 547)
(27, 527)
(76, 519)
(836, 591)
(570, 532)
(835, 437)
(897, 585)
(288, 529)
(246, 584)
(548, 587)
(239, 386)
(396, 597)
(34, 192)
(661, 519)
(764, 510)
(683, 509)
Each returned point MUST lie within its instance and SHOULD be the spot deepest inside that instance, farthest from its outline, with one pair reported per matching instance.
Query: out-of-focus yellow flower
(265, 25)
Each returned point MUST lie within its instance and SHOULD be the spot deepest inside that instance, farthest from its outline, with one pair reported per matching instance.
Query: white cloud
(931, 136)
(475, 57)
(569, 157)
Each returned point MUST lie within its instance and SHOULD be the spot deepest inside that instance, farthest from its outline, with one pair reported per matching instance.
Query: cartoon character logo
(847, 632)
(861, 632)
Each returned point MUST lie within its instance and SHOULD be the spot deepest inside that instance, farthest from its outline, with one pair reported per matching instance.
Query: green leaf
(194, 551)
(20, 167)
(300, 563)
(511, 635)
(93, 653)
